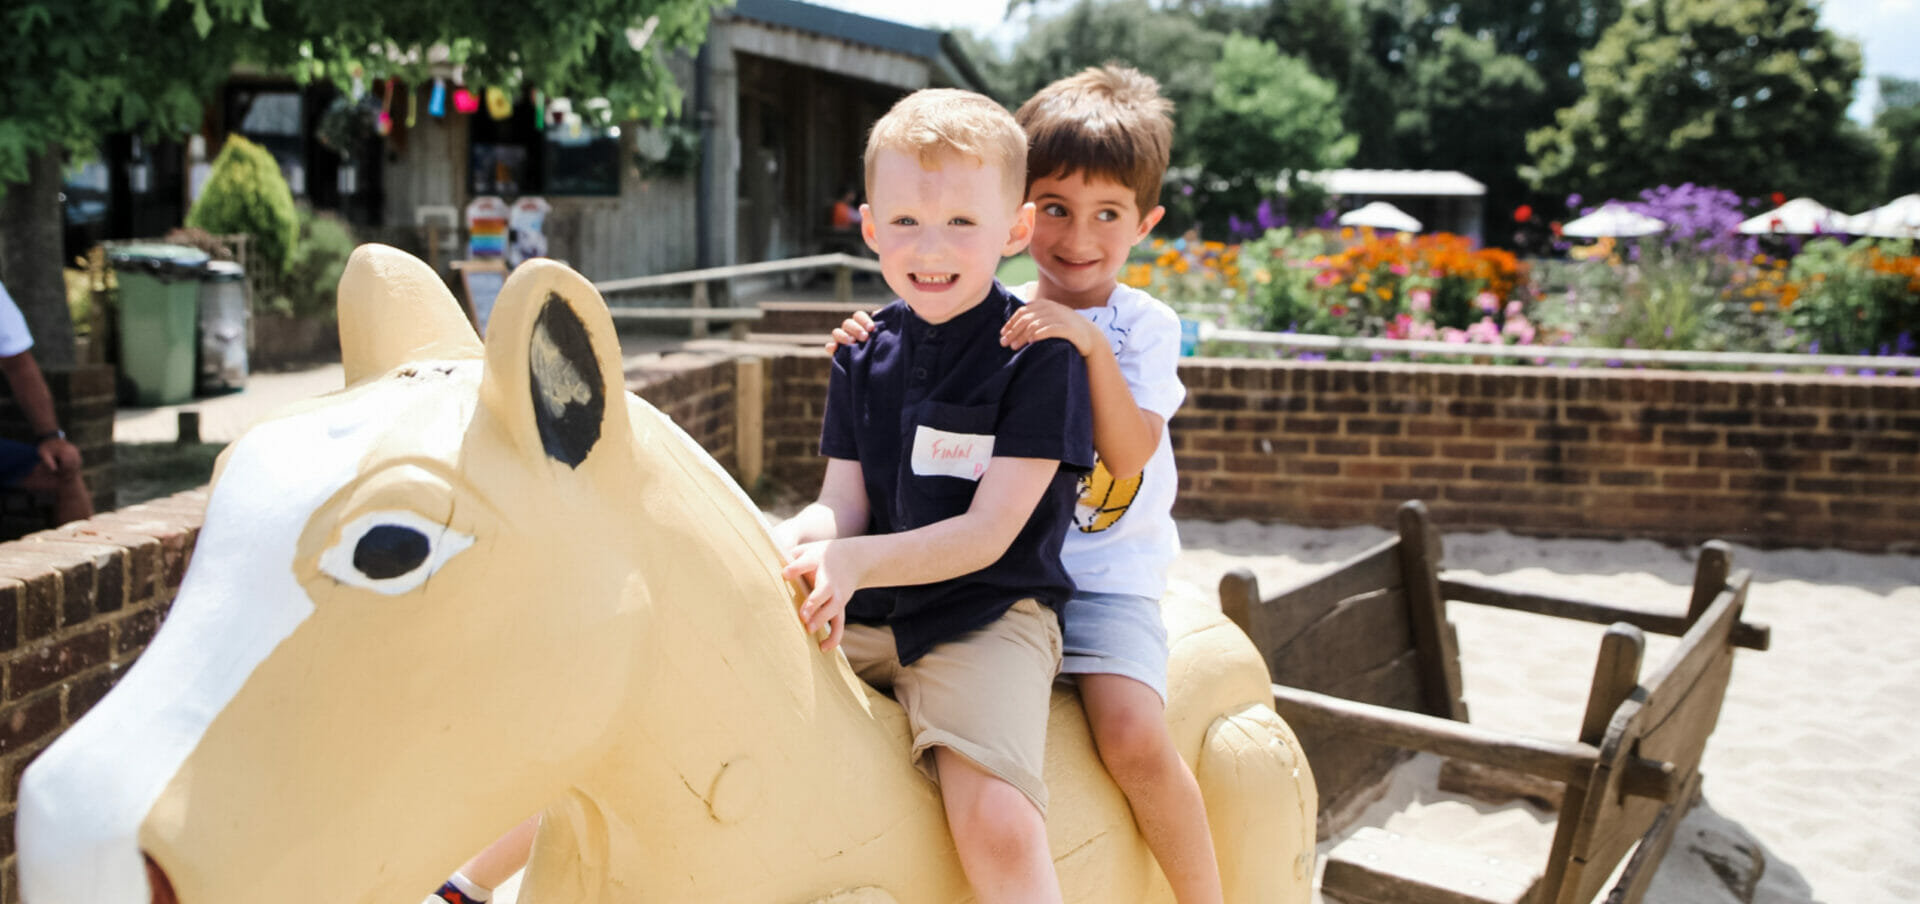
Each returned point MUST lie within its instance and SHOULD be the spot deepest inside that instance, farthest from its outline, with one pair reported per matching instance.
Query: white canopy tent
(1380, 215)
(1613, 220)
(1897, 219)
(1800, 216)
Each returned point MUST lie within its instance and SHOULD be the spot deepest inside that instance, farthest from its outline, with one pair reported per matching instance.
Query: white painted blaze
(82, 801)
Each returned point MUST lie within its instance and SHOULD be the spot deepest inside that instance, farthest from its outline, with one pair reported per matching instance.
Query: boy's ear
(867, 228)
(1021, 233)
(1149, 221)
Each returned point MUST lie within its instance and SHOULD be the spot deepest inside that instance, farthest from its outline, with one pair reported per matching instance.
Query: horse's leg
(1261, 801)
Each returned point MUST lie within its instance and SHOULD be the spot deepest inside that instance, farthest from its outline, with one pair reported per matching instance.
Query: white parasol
(1897, 219)
(1800, 216)
(1613, 220)
(1380, 215)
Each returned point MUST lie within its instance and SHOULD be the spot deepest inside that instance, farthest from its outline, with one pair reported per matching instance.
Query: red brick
(1504, 474)
(1561, 475)
(1589, 414)
(1854, 509)
(1694, 480)
(54, 661)
(28, 721)
(1625, 478)
(1469, 451)
(1252, 464)
(1342, 447)
(1834, 486)
(1854, 464)
(1405, 449)
(1435, 428)
(1757, 483)
(1372, 427)
(1336, 489)
(1341, 405)
(1313, 467)
(1672, 437)
(1410, 491)
(1661, 458)
(1312, 425)
(1375, 470)
(1623, 434)
(1497, 430)
(1561, 433)
(1437, 471)
(1531, 453)
(1592, 455)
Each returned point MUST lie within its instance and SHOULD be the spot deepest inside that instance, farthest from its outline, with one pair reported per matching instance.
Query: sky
(1888, 30)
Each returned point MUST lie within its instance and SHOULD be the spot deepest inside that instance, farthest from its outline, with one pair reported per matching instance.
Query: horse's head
(402, 628)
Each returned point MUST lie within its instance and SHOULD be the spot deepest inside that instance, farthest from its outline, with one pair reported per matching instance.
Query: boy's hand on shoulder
(1041, 319)
(834, 571)
(852, 331)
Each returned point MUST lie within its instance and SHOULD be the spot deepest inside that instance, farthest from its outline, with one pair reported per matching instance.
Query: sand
(1812, 779)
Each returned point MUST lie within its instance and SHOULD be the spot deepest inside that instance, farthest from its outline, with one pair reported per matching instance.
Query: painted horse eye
(391, 552)
(388, 551)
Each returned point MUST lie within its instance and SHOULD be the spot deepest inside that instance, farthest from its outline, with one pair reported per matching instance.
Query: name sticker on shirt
(939, 453)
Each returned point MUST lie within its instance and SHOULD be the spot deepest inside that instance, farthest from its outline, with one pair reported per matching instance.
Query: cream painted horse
(482, 582)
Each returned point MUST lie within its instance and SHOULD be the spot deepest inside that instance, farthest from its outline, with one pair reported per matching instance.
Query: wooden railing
(702, 310)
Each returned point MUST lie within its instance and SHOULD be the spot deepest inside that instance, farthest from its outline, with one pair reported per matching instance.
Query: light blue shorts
(1115, 634)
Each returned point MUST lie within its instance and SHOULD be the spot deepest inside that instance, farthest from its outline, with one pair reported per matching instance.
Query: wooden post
(1716, 560)
(699, 330)
(843, 285)
(749, 418)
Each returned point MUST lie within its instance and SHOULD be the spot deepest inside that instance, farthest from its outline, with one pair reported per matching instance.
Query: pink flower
(1398, 269)
(1513, 308)
(1422, 330)
(1338, 310)
(1487, 301)
(1484, 332)
(1325, 278)
(1449, 334)
(1420, 299)
(1518, 329)
(1399, 326)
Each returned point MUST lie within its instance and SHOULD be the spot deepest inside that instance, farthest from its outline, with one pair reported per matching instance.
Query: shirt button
(933, 332)
(919, 373)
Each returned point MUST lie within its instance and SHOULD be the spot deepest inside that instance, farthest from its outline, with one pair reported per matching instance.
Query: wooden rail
(737, 319)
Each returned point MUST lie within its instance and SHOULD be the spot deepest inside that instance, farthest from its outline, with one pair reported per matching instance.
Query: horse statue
(484, 581)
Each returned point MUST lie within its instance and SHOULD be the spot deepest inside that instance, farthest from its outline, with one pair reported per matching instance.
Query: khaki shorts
(983, 695)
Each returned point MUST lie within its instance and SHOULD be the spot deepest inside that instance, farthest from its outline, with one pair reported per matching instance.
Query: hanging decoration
(384, 124)
(539, 110)
(437, 102)
(465, 102)
(499, 103)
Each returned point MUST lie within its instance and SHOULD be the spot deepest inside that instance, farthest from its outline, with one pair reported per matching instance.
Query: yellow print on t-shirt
(1103, 499)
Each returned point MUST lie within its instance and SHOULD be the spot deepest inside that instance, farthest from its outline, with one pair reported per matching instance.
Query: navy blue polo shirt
(923, 407)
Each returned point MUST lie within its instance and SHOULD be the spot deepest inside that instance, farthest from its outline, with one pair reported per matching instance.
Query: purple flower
(1328, 219)
(1265, 216)
(1573, 201)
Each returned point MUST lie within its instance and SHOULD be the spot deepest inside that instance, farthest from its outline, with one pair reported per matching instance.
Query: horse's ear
(395, 310)
(553, 373)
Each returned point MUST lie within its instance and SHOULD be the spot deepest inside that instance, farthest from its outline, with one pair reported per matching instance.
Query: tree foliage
(1749, 94)
(74, 71)
(1898, 122)
(1268, 115)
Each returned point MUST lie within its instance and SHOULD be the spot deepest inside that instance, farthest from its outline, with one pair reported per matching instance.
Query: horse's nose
(157, 881)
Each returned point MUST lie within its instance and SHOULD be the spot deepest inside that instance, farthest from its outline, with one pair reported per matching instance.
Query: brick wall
(77, 606)
(1681, 457)
(697, 391)
(1755, 458)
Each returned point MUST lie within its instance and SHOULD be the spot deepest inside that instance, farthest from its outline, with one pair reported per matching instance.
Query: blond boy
(953, 463)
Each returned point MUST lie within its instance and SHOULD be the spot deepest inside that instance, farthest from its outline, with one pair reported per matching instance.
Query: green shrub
(309, 286)
(246, 193)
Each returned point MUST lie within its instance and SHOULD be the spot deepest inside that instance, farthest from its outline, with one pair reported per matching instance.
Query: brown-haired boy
(1098, 145)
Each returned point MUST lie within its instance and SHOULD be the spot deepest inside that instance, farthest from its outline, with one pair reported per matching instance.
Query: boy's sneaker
(450, 894)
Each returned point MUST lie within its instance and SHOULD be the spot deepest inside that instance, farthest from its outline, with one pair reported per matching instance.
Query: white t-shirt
(1123, 539)
(14, 337)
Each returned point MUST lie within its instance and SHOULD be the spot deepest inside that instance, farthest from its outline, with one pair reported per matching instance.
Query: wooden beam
(1569, 763)
(1467, 590)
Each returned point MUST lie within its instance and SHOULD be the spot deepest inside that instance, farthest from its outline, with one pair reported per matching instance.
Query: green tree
(246, 194)
(1748, 94)
(74, 71)
(1898, 122)
(1267, 116)
(1172, 46)
(1467, 106)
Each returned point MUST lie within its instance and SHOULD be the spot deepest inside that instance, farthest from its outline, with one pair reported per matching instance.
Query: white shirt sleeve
(14, 337)
(1150, 361)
